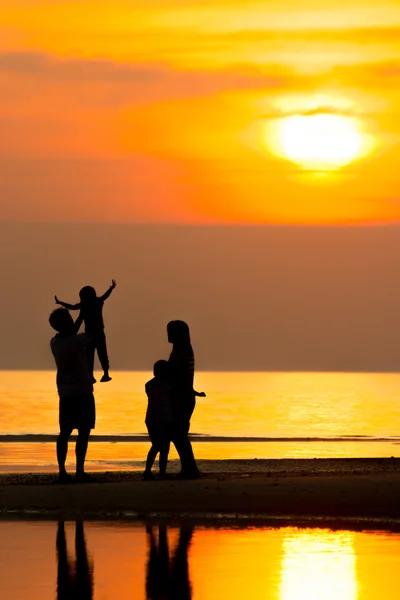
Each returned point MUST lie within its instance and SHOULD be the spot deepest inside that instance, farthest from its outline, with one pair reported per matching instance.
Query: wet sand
(318, 488)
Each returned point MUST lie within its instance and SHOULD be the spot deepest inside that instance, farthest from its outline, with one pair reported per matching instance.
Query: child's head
(178, 333)
(87, 293)
(61, 321)
(161, 369)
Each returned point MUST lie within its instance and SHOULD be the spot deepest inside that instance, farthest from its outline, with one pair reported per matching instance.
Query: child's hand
(113, 284)
(57, 300)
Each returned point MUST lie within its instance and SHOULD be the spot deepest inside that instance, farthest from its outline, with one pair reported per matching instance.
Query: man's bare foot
(64, 477)
(105, 377)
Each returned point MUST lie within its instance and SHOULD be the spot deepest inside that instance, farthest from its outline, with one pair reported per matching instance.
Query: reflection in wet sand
(318, 565)
(74, 577)
(168, 562)
(165, 578)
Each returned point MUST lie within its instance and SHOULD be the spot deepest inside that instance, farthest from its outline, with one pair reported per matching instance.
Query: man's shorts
(77, 411)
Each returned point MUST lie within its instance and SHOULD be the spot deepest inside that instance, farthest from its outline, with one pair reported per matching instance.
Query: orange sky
(114, 110)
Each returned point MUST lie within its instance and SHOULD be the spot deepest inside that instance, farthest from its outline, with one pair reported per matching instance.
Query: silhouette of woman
(74, 578)
(181, 363)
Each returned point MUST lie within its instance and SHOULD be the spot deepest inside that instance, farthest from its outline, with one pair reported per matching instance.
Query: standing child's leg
(151, 457)
(101, 345)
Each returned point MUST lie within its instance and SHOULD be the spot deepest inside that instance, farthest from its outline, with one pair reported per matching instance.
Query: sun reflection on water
(318, 565)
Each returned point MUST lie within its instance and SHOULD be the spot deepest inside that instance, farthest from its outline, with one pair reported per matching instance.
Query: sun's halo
(321, 141)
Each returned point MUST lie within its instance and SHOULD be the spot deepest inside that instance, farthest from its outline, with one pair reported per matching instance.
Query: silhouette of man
(167, 580)
(74, 578)
(75, 388)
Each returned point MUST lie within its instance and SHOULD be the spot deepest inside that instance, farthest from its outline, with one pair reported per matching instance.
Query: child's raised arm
(107, 294)
(66, 305)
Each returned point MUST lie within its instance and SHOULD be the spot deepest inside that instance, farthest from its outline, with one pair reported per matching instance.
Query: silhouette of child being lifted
(91, 313)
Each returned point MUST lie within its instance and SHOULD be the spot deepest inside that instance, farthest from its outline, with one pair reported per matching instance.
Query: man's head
(61, 321)
(161, 369)
(87, 293)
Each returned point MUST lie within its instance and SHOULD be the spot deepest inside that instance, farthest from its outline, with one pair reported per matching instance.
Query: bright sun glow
(322, 141)
(319, 565)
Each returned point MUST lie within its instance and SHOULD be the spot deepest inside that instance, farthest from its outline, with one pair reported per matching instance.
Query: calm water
(103, 561)
(363, 410)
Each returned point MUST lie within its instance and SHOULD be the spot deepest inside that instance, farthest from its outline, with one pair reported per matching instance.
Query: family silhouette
(167, 574)
(171, 395)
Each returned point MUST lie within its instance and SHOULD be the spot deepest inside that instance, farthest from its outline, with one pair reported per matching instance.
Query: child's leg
(90, 350)
(163, 459)
(101, 346)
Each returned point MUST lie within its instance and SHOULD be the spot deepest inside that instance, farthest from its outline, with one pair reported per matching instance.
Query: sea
(244, 416)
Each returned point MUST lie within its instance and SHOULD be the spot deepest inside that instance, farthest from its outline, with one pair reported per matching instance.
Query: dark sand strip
(303, 495)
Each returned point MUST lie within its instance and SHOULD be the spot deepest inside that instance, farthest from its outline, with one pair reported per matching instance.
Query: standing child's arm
(66, 305)
(107, 294)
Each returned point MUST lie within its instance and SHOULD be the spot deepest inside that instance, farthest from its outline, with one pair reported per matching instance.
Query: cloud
(371, 35)
(87, 70)
(46, 65)
(120, 83)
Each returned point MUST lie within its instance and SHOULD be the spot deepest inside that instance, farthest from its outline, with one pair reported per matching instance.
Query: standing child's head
(161, 369)
(87, 294)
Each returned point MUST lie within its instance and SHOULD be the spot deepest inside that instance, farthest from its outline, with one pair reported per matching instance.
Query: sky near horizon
(200, 112)
(131, 130)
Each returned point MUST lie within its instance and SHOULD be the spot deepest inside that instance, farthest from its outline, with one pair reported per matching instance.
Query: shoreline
(356, 490)
(40, 438)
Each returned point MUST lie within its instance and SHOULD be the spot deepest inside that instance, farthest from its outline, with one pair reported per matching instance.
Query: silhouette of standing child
(91, 313)
(159, 417)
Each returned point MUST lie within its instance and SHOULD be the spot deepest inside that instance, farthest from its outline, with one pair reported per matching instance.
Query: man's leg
(62, 451)
(80, 451)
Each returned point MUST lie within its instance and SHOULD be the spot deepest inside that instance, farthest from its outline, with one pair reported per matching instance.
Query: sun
(320, 142)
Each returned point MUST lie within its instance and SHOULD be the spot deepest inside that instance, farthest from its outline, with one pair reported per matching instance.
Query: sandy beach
(302, 489)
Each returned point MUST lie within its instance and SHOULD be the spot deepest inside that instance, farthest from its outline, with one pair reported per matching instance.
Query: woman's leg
(163, 460)
(184, 449)
(151, 457)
